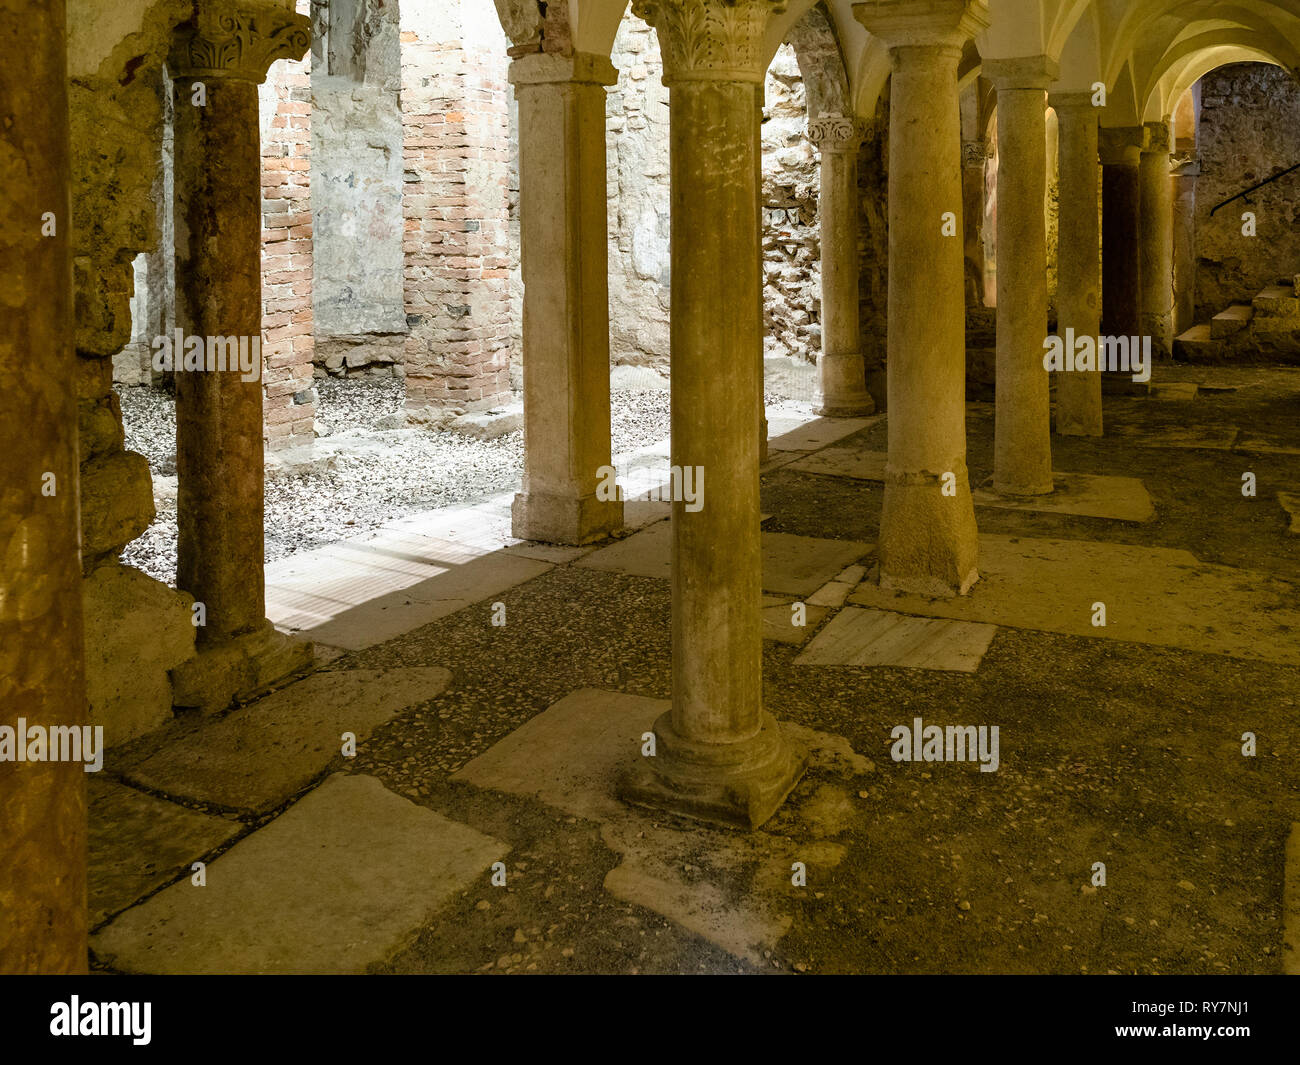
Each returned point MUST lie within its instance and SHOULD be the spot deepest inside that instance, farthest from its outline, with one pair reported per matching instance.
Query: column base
(842, 388)
(1022, 490)
(564, 519)
(735, 785)
(929, 544)
(231, 670)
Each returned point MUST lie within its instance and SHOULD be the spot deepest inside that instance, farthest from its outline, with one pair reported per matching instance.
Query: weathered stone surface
(1152, 595)
(779, 616)
(340, 882)
(137, 629)
(43, 866)
(1083, 494)
(1291, 504)
(259, 756)
(116, 502)
(662, 867)
(363, 592)
(792, 565)
(138, 843)
(1248, 128)
(858, 637)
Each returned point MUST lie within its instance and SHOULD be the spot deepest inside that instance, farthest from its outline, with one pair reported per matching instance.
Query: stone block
(137, 629)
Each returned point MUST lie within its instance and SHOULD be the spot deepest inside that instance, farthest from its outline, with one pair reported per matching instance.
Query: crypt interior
(677, 486)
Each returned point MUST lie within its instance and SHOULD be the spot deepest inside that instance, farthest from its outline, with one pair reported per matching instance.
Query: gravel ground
(376, 474)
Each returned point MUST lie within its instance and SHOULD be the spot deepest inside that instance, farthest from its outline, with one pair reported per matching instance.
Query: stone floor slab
(1173, 391)
(845, 462)
(857, 637)
(778, 619)
(1083, 495)
(797, 433)
(363, 592)
(340, 881)
(1153, 595)
(261, 755)
(792, 565)
(1201, 437)
(681, 873)
(139, 842)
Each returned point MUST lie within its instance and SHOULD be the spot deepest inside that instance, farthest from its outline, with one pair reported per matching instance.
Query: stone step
(1230, 321)
(1277, 301)
(1197, 345)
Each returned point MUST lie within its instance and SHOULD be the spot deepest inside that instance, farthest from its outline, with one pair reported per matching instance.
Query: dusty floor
(1121, 753)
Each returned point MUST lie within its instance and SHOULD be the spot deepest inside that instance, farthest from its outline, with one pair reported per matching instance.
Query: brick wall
(456, 182)
(287, 326)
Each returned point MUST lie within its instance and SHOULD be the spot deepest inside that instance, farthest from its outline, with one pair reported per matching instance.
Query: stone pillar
(219, 446)
(841, 371)
(566, 300)
(719, 757)
(42, 678)
(1078, 394)
(928, 540)
(1121, 269)
(1022, 449)
(1184, 178)
(1156, 240)
(974, 158)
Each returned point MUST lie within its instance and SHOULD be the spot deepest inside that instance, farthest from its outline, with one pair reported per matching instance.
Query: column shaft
(841, 371)
(1184, 240)
(1121, 264)
(42, 673)
(1157, 241)
(218, 414)
(928, 540)
(566, 298)
(719, 756)
(1022, 435)
(1078, 394)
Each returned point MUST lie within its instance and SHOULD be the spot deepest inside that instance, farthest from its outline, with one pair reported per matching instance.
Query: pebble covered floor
(389, 474)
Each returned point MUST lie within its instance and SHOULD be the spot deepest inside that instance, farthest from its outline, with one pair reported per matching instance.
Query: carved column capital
(238, 40)
(1158, 138)
(711, 40)
(974, 154)
(836, 133)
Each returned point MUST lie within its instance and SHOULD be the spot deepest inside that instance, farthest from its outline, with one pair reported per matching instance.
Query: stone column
(719, 757)
(1156, 240)
(928, 540)
(1186, 171)
(1078, 394)
(42, 672)
(1022, 449)
(566, 297)
(219, 444)
(841, 370)
(974, 158)
(1121, 268)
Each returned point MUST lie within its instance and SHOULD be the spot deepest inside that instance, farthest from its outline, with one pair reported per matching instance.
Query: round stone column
(928, 539)
(1156, 240)
(1121, 267)
(1022, 449)
(719, 757)
(566, 298)
(228, 48)
(1078, 394)
(1186, 171)
(42, 671)
(841, 371)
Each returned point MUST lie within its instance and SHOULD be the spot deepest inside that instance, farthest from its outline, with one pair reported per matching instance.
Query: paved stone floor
(474, 828)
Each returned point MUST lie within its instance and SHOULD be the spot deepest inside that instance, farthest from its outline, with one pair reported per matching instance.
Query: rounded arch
(821, 63)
